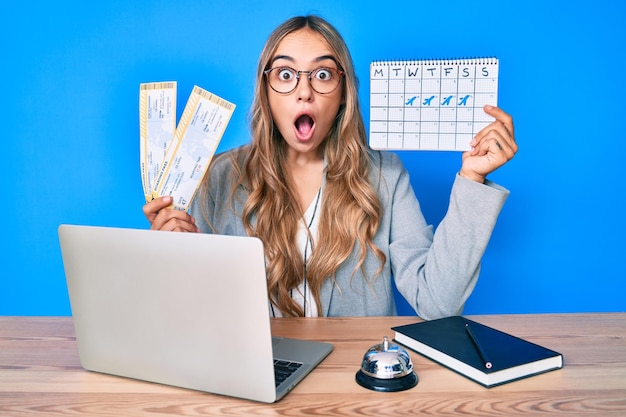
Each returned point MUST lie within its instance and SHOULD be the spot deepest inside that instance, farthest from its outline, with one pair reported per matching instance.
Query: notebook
(484, 354)
(182, 309)
(430, 104)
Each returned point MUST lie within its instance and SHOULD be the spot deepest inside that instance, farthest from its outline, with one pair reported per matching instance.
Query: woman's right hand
(163, 218)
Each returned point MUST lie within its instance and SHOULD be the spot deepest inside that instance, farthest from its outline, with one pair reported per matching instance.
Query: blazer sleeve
(437, 273)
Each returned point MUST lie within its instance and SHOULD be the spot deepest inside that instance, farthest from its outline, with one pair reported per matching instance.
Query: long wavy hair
(350, 210)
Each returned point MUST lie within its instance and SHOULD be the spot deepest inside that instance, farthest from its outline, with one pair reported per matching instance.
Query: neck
(306, 172)
(298, 160)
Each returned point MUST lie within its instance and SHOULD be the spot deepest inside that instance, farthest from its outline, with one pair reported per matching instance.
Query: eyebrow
(318, 59)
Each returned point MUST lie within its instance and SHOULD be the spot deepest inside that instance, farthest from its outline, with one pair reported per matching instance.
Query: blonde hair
(350, 210)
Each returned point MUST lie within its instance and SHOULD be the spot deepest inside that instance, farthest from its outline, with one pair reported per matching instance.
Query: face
(303, 116)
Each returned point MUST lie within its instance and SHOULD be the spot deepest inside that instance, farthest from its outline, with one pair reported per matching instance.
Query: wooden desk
(40, 374)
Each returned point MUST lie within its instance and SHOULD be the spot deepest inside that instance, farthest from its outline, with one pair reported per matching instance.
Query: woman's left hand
(492, 147)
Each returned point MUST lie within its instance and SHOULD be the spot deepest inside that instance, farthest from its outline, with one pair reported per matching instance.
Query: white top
(311, 219)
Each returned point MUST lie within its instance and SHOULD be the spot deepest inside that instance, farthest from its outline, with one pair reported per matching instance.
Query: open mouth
(304, 125)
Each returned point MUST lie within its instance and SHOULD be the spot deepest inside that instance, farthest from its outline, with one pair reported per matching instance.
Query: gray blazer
(436, 273)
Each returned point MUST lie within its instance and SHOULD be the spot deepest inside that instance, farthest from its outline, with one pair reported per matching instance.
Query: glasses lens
(283, 79)
(324, 80)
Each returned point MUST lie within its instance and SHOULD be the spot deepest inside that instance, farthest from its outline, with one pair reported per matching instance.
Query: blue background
(71, 73)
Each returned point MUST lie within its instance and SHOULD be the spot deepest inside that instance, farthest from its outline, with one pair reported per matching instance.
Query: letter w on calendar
(173, 161)
(430, 104)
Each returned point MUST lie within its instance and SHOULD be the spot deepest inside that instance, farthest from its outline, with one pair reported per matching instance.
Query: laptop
(183, 309)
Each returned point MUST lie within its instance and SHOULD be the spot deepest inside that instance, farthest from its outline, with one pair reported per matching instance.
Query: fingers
(502, 117)
(497, 137)
(496, 143)
(151, 209)
(492, 147)
(174, 220)
(163, 218)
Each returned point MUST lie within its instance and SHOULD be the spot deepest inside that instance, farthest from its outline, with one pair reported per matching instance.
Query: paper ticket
(195, 140)
(157, 124)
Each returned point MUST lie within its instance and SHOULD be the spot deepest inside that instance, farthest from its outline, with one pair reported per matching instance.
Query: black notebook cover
(447, 341)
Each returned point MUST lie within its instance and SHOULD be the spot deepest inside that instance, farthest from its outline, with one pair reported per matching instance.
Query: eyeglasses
(322, 80)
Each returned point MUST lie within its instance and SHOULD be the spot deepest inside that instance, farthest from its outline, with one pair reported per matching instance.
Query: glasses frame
(309, 74)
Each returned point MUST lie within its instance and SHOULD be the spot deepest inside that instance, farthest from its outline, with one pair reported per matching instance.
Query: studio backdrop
(71, 72)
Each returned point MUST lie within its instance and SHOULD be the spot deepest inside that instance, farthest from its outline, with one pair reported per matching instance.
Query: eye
(324, 74)
(285, 74)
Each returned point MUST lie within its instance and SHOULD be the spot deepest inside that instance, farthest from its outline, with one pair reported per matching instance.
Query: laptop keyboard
(284, 369)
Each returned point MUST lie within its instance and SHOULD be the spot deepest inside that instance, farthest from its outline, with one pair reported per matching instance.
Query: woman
(338, 220)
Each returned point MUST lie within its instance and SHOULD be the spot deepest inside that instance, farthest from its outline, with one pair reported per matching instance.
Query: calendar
(434, 104)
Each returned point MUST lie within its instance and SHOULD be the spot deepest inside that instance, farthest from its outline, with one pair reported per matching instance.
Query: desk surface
(40, 374)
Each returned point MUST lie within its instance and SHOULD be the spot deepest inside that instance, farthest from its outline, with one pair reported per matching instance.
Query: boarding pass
(173, 159)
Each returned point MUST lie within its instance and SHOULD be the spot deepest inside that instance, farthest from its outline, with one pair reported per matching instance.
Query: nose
(304, 92)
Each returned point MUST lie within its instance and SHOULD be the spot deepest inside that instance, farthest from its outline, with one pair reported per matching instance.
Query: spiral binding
(492, 60)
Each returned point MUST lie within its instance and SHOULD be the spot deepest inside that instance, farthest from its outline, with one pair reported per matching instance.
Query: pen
(478, 346)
